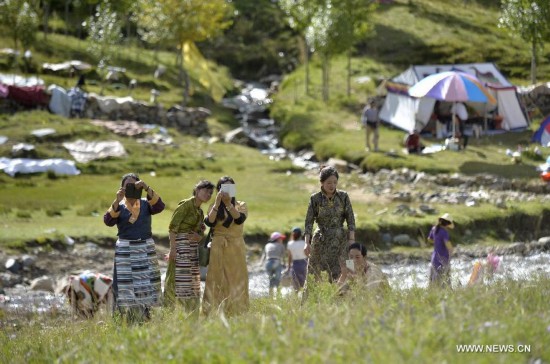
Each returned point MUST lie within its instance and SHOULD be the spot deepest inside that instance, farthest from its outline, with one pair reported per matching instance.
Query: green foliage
(19, 20)
(103, 34)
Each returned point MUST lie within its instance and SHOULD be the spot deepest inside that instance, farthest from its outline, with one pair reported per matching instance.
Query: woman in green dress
(327, 247)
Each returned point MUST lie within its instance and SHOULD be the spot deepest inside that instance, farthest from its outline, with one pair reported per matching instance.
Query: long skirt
(183, 281)
(136, 281)
(328, 248)
(226, 288)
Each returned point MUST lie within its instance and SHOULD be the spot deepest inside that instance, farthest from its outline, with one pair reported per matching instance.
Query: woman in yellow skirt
(226, 288)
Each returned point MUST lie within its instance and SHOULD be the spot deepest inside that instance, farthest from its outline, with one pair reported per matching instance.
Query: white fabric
(508, 107)
(65, 66)
(83, 151)
(16, 80)
(109, 104)
(296, 248)
(399, 110)
(459, 109)
(60, 102)
(25, 166)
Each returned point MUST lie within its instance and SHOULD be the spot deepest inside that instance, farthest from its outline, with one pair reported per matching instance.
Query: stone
(14, 265)
(340, 164)
(9, 280)
(43, 283)
(28, 260)
(401, 239)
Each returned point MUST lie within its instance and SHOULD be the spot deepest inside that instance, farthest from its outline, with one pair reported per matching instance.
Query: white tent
(408, 113)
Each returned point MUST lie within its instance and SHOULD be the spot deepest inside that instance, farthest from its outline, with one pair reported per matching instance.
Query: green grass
(415, 325)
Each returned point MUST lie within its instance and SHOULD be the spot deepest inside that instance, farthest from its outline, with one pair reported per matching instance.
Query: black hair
(326, 172)
(221, 209)
(360, 247)
(202, 184)
(129, 175)
(442, 222)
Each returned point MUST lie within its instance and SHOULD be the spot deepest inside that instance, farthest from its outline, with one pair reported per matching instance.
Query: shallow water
(20, 299)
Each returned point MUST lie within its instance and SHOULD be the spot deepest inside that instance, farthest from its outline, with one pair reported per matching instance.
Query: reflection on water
(20, 299)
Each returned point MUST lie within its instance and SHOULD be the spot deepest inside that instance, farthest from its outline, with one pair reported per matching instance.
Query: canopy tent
(408, 113)
(542, 135)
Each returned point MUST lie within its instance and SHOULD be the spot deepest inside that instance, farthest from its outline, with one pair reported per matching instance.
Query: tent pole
(485, 118)
(453, 128)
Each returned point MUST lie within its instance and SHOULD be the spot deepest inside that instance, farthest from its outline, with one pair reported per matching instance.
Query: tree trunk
(325, 77)
(183, 77)
(533, 62)
(306, 64)
(349, 74)
(46, 19)
(67, 2)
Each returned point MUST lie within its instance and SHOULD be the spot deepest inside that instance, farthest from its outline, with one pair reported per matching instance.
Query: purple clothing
(141, 228)
(440, 255)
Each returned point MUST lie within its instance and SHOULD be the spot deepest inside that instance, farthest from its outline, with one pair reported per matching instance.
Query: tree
(103, 34)
(327, 35)
(300, 14)
(177, 22)
(356, 26)
(529, 20)
(20, 20)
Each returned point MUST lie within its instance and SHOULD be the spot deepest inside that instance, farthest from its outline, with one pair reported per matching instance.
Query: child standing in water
(440, 269)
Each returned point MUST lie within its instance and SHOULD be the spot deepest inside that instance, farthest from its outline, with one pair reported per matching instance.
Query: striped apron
(137, 274)
(188, 279)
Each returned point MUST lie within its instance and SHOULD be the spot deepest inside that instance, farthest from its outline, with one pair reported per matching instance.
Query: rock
(340, 164)
(28, 260)
(518, 248)
(14, 265)
(402, 197)
(9, 280)
(401, 239)
(427, 209)
(43, 283)
(500, 203)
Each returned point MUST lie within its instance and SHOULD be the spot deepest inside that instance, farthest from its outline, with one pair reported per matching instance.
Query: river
(22, 300)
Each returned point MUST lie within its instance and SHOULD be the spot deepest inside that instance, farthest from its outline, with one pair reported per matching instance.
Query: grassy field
(507, 320)
(49, 207)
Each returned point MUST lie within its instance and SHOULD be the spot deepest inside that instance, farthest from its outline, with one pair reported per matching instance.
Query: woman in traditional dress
(186, 230)
(327, 247)
(226, 288)
(136, 278)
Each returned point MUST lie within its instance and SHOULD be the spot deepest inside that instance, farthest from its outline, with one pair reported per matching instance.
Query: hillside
(39, 207)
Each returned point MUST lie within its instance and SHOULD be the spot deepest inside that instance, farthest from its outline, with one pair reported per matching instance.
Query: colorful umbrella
(452, 86)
